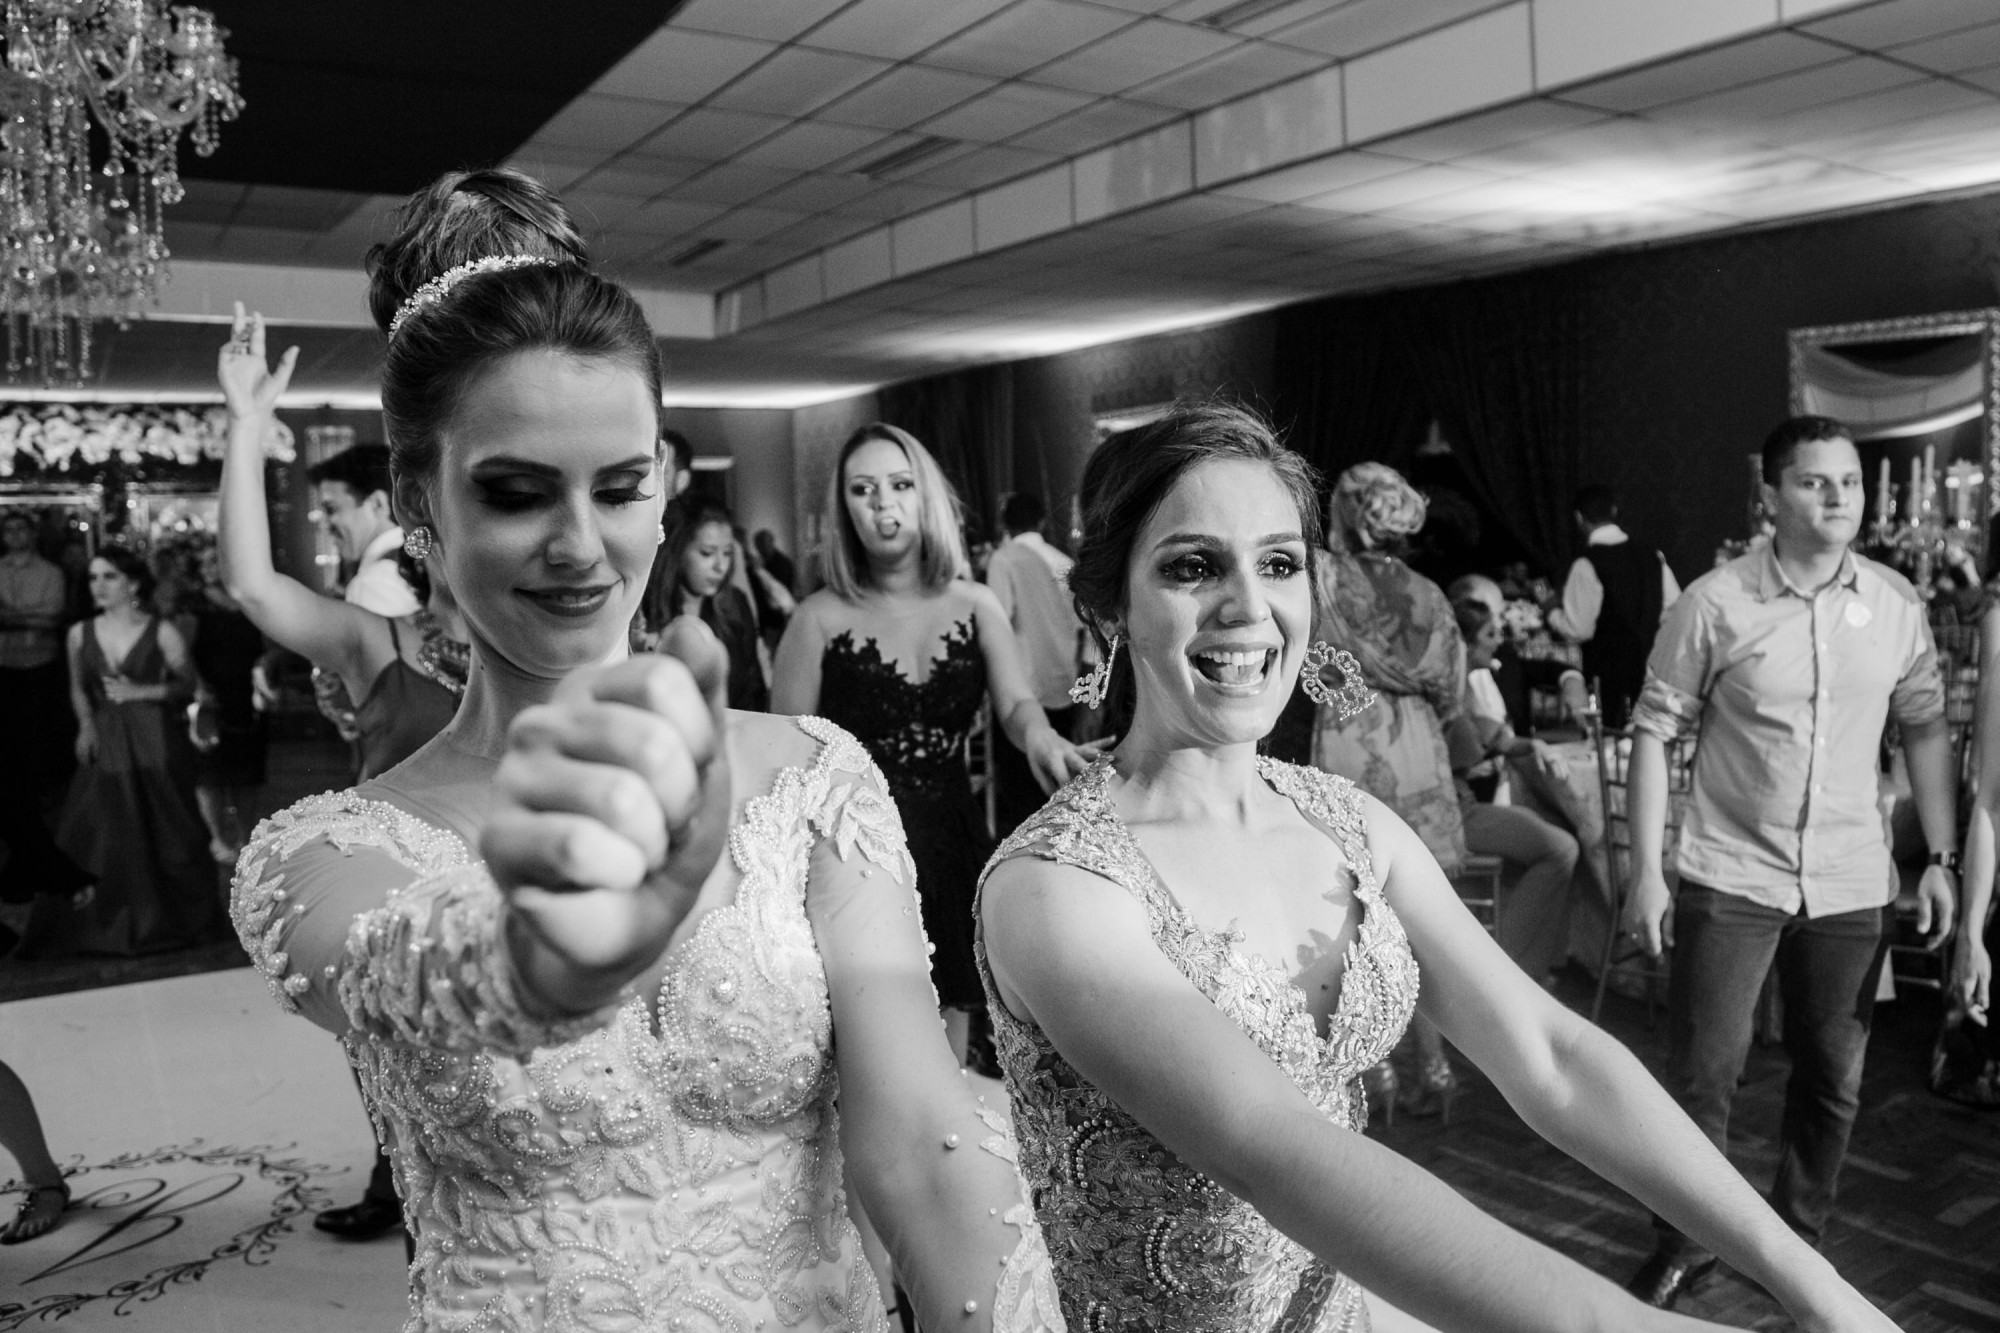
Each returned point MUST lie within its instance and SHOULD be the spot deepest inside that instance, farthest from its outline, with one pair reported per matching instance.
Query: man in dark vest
(1612, 603)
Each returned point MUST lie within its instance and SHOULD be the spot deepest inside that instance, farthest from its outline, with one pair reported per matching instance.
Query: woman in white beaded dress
(1192, 954)
(601, 1047)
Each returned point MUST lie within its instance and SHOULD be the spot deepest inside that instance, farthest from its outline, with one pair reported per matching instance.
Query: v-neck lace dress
(1139, 1239)
(673, 1170)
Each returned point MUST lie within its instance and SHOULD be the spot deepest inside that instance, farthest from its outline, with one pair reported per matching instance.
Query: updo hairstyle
(1373, 507)
(134, 567)
(941, 550)
(441, 347)
(1131, 475)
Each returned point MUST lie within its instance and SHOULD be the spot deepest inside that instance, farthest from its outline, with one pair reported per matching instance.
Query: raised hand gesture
(250, 385)
(614, 806)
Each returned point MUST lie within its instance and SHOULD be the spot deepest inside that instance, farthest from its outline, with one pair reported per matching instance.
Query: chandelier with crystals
(80, 243)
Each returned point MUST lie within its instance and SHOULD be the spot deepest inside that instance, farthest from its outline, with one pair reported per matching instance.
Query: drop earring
(1090, 689)
(417, 542)
(1353, 695)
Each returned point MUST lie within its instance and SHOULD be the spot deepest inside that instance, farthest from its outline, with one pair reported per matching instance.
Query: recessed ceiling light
(902, 159)
(1242, 13)
(699, 250)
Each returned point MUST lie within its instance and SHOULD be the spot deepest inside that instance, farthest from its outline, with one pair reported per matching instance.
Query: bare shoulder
(1035, 907)
(171, 638)
(825, 610)
(969, 597)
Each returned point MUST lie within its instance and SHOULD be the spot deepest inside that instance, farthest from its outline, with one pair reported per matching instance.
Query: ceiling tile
(673, 217)
(208, 201)
(1400, 189)
(1878, 26)
(604, 123)
(1236, 73)
(818, 192)
(896, 200)
(1356, 29)
(193, 240)
(772, 20)
(639, 177)
(1146, 50)
(987, 166)
(796, 80)
(810, 146)
(904, 96)
(1031, 33)
(1716, 70)
(675, 65)
(1318, 177)
(1490, 131)
(1953, 54)
(733, 183)
(898, 29)
(710, 135)
(1010, 109)
(1788, 93)
(618, 247)
(750, 224)
(293, 208)
(816, 232)
(596, 212)
(1879, 115)
(552, 166)
(1098, 124)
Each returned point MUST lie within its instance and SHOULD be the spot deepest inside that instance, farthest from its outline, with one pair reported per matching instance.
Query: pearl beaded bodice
(1139, 1239)
(665, 1170)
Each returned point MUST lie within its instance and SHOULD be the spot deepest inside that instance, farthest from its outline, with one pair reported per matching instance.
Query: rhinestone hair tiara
(434, 291)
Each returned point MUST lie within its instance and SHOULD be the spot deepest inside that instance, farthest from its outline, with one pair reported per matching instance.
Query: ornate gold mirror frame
(1922, 396)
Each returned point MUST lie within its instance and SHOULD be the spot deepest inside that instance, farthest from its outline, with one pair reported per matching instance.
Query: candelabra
(74, 249)
(1926, 536)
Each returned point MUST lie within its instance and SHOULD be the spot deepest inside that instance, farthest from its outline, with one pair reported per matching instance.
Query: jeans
(1534, 911)
(1724, 946)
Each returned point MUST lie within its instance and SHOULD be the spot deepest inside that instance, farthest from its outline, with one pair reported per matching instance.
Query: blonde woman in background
(1400, 628)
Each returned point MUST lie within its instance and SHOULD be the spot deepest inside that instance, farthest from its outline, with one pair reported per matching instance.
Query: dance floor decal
(199, 1130)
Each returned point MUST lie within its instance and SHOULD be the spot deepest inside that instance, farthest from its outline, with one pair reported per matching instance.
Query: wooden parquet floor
(1917, 1225)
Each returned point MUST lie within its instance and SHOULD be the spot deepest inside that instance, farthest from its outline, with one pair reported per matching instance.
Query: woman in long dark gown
(130, 821)
(900, 647)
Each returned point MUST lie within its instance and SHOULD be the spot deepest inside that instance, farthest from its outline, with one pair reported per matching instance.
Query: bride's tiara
(434, 291)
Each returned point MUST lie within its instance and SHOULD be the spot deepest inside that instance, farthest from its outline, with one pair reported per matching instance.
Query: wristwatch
(1949, 860)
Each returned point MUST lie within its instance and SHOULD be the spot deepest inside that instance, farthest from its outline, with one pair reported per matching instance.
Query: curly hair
(1372, 507)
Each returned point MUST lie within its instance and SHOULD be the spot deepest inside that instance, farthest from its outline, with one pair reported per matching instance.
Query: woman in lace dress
(901, 647)
(602, 1045)
(1193, 953)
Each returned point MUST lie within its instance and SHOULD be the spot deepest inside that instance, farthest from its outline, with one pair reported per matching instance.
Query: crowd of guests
(475, 659)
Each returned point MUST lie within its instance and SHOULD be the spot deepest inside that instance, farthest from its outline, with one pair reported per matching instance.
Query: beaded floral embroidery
(614, 1178)
(1140, 1240)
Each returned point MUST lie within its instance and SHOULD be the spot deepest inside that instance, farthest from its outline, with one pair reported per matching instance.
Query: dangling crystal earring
(1353, 694)
(1089, 690)
(417, 543)
(660, 535)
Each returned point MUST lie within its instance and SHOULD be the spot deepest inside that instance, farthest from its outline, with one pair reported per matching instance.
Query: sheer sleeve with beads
(375, 924)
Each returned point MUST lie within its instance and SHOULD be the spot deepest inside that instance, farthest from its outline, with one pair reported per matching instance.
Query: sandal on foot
(37, 1215)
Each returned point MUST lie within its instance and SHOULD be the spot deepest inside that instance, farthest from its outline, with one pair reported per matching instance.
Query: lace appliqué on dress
(1142, 1241)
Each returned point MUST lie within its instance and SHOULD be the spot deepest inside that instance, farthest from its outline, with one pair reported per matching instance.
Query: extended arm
(1583, 1091)
(1934, 785)
(1053, 760)
(79, 702)
(795, 674)
(1972, 964)
(1072, 953)
(933, 1165)
(330, 633)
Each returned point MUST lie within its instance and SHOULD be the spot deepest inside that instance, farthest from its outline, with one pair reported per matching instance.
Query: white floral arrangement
(1521, 618)
(59, 436)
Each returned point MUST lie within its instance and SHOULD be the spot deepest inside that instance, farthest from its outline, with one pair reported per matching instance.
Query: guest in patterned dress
(616, 1100)
(1192, 953)
(1400, 628)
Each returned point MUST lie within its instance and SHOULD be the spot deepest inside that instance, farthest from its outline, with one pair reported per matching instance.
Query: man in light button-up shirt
(1786, 663)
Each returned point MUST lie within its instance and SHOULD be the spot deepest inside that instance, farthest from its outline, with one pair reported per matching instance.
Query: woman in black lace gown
(900, 647)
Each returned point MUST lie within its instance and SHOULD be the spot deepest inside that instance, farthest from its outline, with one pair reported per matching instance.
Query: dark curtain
(1500, 365)
(1343, 391)
(1497, 364)
(966, 419)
